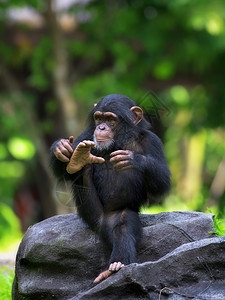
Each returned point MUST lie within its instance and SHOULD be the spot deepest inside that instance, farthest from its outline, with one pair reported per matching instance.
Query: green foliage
(218, 225)
(164, 70)
(6, 280)
(215, 150)
(10, 233)
(103, 84)
(3, 151)
(11, 169)
(174, 48)
(41, 64)
(21, 3)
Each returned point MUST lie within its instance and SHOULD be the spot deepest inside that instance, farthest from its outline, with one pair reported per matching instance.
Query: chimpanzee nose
(101, 127)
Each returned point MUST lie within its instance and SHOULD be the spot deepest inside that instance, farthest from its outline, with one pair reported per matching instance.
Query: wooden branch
(218, 185)
(60, 74)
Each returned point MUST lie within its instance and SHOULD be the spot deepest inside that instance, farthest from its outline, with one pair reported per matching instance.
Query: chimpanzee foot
(114, 267)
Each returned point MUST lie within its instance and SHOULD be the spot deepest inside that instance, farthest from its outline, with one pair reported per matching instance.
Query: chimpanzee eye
(112, 122)
(98, 119)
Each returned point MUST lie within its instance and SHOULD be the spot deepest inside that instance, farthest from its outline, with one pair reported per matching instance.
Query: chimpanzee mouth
(103, 140)
(103, 144)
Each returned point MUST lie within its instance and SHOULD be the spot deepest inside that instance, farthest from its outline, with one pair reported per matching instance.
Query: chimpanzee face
(106, 124)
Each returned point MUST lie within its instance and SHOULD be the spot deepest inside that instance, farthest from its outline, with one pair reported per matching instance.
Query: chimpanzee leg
(122, 230)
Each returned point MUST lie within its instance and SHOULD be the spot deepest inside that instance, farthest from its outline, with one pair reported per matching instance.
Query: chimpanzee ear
(138, 113)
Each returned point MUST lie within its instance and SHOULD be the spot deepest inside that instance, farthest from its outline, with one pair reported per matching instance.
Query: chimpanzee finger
(118, 158)
(64, 150)
(119, 266)
(121, 155)
(86, 144)
(121, 152)
(112, 267)
(81, 145)
(116, 266)
(60, 156)
(125, 168)
(71, 140)
(89, 143)
(97, 159)
(66, 145)
(123, 164)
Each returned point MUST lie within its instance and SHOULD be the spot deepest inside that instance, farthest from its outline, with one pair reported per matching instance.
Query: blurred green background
(57, 58)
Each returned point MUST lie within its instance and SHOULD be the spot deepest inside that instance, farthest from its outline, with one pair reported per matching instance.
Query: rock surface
(59, 257)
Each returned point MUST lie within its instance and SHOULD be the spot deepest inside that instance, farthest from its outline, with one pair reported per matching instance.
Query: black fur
(109, 200)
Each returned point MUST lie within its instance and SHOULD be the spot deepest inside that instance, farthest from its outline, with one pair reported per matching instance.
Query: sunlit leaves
(215, 25)
(21, 148)
(209, 21)
(164, 70)
(180, 94)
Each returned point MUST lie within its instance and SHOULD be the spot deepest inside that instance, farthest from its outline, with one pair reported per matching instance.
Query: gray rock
(177, 259)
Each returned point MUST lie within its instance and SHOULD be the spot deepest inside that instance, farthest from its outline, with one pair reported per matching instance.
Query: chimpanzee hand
(114, 267)
(63, 149)
(82, 156)
(122, 159)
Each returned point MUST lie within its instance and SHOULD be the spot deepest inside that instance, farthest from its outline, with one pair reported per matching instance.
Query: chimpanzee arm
(153, 165)
(150, 162)
(58, 167)
(87, 201)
